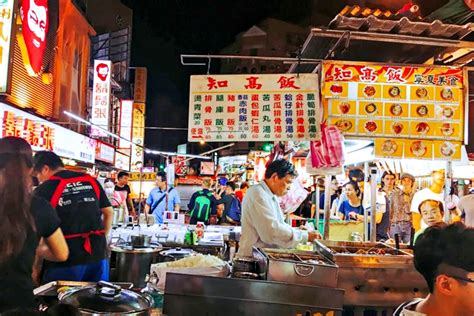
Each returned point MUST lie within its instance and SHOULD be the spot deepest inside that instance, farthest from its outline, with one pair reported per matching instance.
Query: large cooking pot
(130, 264)
(175, 254)
(138, 241)
(107, 299)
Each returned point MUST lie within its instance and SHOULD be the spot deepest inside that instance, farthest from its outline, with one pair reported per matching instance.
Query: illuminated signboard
(126, 113)
(44, 135)
(6, 21)
(254, 107)
(101, 96)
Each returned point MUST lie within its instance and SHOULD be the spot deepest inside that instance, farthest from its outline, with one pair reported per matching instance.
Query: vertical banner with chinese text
(139, 94)
(101, 96)
(126, 116)
(254, 108)
(6, 21)
(138, 135)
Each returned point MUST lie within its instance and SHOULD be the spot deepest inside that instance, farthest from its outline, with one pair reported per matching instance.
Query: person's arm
(271, 231)
(177, 201)
(130, 206)
(147, 209)
(415, 215)
(54, 247)
(108, 214)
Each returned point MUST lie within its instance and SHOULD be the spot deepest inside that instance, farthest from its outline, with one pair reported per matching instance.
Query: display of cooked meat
(369, 91)
(397, 127)
(396, 109)
(422, 128)
(447, 94)
(418, 148)
(344, 107)
(448, 112)
(422, 110)
(421, 93)
(370, 108)
(370, 126)
(336, 89)
(447, 149)
(343, 125)
(394, 92)
(447, 129)
(389, 147)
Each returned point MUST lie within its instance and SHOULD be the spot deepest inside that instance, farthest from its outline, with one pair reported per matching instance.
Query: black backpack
(202, 207)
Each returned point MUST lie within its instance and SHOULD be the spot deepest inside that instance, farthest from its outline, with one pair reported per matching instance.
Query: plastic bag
(329, 151)
(202, 267)
(294, 197)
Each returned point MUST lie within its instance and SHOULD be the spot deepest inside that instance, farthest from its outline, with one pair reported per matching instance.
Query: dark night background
(162, 30)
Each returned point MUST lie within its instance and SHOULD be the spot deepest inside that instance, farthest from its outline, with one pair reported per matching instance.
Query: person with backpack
(202, 204)
(162, 199)
(232, 207)
(80, 203)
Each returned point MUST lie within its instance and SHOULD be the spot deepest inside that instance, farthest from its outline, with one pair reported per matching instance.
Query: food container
(300, 267)
(139, 241)
(373, 274)
(174, 254)
(124, 256)
(107, 299)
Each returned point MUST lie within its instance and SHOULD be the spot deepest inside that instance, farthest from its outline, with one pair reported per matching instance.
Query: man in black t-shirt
(80, 202)
(122, 185)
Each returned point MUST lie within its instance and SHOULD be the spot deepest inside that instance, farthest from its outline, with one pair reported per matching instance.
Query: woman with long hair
(26, 221)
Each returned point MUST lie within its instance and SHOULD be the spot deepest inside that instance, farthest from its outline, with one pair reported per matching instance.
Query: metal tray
(300, 267)
(51, 288)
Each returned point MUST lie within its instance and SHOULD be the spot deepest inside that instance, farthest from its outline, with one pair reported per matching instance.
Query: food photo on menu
(421, 93)
(418, 148)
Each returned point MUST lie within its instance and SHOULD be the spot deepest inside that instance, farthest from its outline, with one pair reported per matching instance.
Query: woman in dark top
(350, 208)
(26, 222)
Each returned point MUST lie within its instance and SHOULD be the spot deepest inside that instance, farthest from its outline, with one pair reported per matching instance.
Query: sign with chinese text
(101, 96)
(145, 176)
(122, 161)
(6, 22)
(397, 148)
(369, 101)
(126, 115)
(105, 152)
(254, 108)
(140, 84)
(138, 134)
(44, 135)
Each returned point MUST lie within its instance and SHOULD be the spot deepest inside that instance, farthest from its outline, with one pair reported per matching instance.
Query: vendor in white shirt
(263, 224)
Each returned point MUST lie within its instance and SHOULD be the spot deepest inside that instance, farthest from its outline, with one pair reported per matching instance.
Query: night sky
(162, 30)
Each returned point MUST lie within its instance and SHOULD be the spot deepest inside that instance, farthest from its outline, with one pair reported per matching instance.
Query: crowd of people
(400, 209)
(58, 230)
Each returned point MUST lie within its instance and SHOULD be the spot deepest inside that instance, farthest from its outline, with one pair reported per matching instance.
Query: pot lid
(177, 252)
(105, 298)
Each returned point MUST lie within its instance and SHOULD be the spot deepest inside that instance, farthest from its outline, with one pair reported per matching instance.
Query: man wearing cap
(400, 203)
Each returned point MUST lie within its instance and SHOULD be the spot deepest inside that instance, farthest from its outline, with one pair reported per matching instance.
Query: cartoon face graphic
(35, 23)
(102, 71)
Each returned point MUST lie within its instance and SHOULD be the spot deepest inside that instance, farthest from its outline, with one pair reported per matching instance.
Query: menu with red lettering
(254, 107)
(421, 104)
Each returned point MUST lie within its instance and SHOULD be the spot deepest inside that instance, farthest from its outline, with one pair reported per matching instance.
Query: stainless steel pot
(131, 264)
(107, 299)
(175, 254)
(138, 241)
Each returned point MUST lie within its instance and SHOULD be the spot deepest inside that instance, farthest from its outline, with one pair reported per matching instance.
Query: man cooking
(263, 223)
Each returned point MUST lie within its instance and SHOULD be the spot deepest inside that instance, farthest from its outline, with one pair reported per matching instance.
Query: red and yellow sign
(371, 101)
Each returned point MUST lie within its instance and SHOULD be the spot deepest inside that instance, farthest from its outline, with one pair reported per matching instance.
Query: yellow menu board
(396, 148)
(371, 101)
